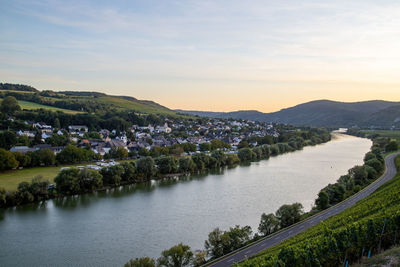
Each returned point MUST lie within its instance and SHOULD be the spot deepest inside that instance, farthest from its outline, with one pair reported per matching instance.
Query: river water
(109, 228)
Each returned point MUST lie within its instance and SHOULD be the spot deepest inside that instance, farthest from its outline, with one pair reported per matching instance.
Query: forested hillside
(323, 113)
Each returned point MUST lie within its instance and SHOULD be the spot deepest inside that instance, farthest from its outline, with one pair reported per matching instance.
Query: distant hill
(83, 101)
(322, 113)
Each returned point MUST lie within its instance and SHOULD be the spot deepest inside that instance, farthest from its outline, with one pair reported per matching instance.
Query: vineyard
(367, 228)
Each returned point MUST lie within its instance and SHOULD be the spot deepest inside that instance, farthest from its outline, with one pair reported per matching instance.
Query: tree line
(357, 177)
(142, 170)
(219, 242)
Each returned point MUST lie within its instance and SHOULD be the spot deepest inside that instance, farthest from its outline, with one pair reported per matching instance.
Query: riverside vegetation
(362, 224)
(74, 181)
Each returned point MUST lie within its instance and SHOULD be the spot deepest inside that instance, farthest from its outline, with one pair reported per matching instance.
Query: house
(163, 129)
(122, 138)
(42, 146)
(57, 149)
(149, 128)
(78, 129)
(26, 133)
(114, 143)
(104, 133)
(43, 127)
(98, 147)
(46, 135)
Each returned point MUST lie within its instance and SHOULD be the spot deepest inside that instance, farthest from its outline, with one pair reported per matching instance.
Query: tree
(141, 262)
(38, 188)
(117, 153)
(392, 146)
(243, 144)
(67, 181)
(205, 147)
(186, 164)
(7, 160)
(9, 105)
(232, 159)
(238, 237)
(220, 243)
(23, 194)
(246, 154)
(275, 150)
(322, 202)
(335, 193)
(376, 164)
(220, 157)
(57, 124)
(89, 180)
(214, 245)
(268, 224)
(145, 168)
(201, 160)
(199, 258)
(46, 156)
(369, 156)
(72, 154)
(359, 174)
(3, 197)
(218, 144)
(176, 256)
(129, 173)
(112, 175)
(289, 214)
(38, 138)
(167, 164)
(8, 139)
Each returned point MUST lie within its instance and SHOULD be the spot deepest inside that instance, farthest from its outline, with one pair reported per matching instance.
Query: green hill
(360, 226)
(322, 113)
(80, 101)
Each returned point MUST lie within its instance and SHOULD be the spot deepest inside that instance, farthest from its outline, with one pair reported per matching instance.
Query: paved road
(304, 225)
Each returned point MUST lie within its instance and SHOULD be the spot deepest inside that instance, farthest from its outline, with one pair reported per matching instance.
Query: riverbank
(365, 229)
(108, 228)
(72, 181)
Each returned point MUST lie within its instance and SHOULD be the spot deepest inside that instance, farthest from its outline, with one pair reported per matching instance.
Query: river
(109, 228)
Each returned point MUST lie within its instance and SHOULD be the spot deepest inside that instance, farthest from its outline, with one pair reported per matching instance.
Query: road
(281, 236)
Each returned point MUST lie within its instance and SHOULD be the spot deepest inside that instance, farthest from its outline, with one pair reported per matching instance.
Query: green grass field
(33, 106)
(9, 180)
(123, 104)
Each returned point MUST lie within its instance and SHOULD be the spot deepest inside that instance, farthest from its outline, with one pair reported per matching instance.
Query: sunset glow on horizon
(206, 55)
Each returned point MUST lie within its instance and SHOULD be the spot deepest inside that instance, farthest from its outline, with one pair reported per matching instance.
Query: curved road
(275, 239)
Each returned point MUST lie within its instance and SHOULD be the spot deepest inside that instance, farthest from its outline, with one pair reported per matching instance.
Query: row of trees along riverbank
(73, 181)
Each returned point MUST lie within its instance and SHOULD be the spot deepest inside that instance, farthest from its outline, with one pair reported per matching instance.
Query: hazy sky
(206, 55)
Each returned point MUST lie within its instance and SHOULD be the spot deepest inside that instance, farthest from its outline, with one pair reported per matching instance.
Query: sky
(206, 55)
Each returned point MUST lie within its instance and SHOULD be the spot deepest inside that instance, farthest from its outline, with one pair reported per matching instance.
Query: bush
(246, 154)
(7, 160)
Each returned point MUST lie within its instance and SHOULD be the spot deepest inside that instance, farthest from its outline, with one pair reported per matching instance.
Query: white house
(26, 133)
(76, 129)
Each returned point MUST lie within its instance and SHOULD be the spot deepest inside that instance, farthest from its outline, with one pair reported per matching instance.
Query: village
(144, 138)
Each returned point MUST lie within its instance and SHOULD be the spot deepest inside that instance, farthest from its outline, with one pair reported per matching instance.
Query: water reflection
(109, 227)
(85, 200)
